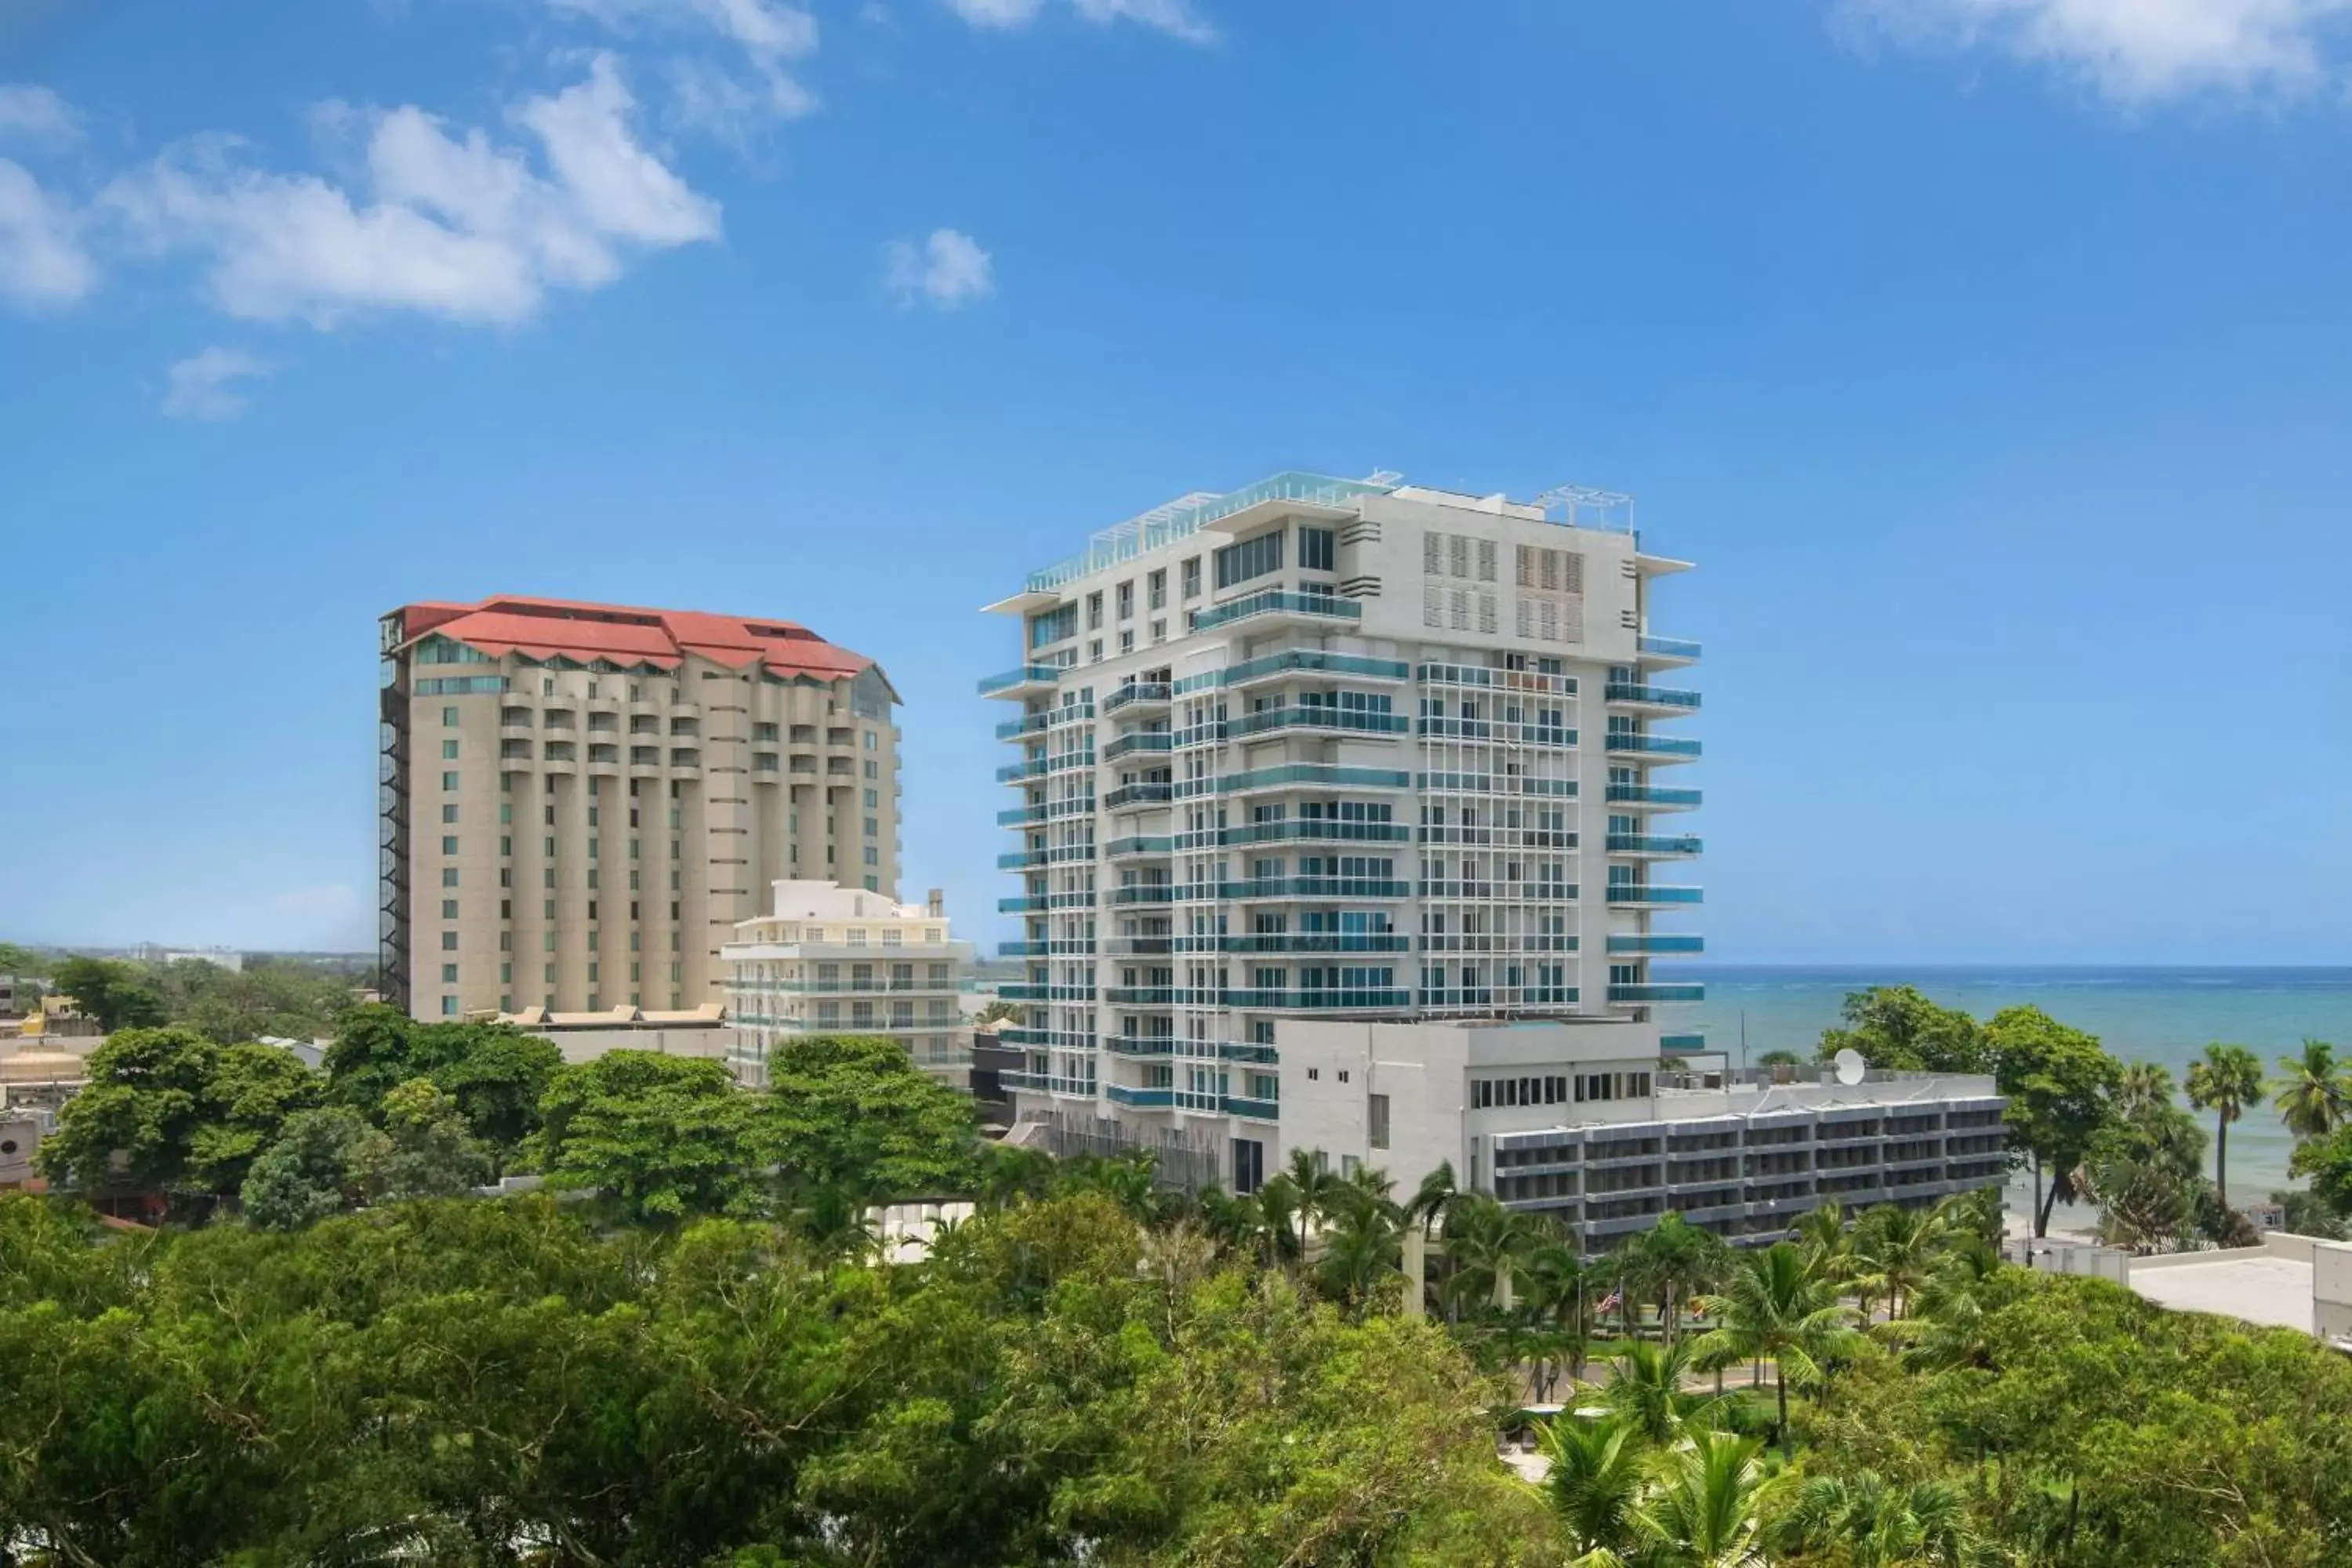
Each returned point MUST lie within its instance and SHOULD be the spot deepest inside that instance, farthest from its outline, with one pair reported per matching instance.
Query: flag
(1610, 1305)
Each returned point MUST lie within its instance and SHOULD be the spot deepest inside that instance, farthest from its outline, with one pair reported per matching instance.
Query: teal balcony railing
(1646, 795)
(1655, 946)
(1143, 893)
(1668, 647)
(1641, 993)
(1141, 1099)
(1308, 774)
(1626, 744)
(1316, 941)
(1340, 719)
(1277, 602)
(1141, 996)
(1149, 692)
(1024, 816)
(1232, 1052)
(1652, 696)
(1684, 1042)
(1148, 741)
(1137, 794)
(1038, 767)
(1037, 723)
(1023, 991)
(1298, 658)
(1256, 1109)
(1036, 902)
(1315, 888)
(1649, 893)
(1490, 783)
(1028, 675)
(1306, 1000)
(1138, 844)
(1316, 829)
(1030, 859)
(1141, 1044)
(1654, 844)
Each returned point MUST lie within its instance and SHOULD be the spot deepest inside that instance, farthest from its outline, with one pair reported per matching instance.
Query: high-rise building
(829, 960)
(1345, 820)
(580, 802)
(1326, 749)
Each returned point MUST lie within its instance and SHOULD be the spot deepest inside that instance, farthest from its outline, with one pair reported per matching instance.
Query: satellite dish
(1849, 1064)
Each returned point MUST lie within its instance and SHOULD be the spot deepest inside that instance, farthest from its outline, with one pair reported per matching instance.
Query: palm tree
(1870, 1524)
(1277, 1204)
(1823, 1241)
(1596, 1481)
(1360, 1257)
(2315, 1098)
(1317, 1186)
(1679, 1260)
(1772, 1306)
(1556, 1281)
(1646, 1389)
(1426, 1211)
(1895, 1253)
(2146, 1085)
(2227, 1080)
(1706, 1510)
(1486, 1247)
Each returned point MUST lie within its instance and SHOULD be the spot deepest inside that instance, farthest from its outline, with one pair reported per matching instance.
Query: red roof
(549, 628)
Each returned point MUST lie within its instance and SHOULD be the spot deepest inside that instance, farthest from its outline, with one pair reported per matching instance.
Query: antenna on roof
(1384, 477)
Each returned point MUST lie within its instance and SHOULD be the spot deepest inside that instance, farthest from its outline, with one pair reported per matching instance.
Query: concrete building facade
(581, 802)
(829, 960)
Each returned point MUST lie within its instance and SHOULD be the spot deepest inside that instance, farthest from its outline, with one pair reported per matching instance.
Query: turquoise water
(2165, 1015)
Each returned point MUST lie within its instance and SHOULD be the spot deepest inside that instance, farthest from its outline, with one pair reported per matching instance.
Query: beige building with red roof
(579, 802)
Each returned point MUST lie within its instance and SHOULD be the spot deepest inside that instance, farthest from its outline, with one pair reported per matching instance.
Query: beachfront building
(830, 960)
(1334, 750)
(581, 802)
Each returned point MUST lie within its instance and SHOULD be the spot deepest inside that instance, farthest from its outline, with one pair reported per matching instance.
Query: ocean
(2165, 1015)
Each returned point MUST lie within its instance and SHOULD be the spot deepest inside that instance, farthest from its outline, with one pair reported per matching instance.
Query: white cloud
(770, 34)
(455, 227)
(42, 257)
(203, 386)
(949, 271)
(2134, 50)
(1175, 17)
(37, 113)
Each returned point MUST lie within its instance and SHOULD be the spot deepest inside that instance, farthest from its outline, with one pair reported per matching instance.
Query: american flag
(1610, 1305)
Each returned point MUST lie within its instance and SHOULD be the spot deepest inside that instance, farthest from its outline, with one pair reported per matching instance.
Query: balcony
(1659, 748)
(1668, 650)
(1139, 946)
(1644, 994)
(1143, 893)
(1141, 1099)
(1647, 946)
(1024, 991)
(1138, 694)
(1145, 741)
(1270, 719)
(1654, 845)
(1685, 1042)
(1155, 845)
(1032, 860)
(1648, 893)
(1489, 677)
(1052, 719)
(1312, 828)
(1141, 1044)
(1320, 1000)
(1024, 815)
(1297, 774)
(1038, 767)
(1135, 795)
(1256, 1109)
(1662, 699)
(1037, 903)
(1648, 797)
(1275, 602)
(1028, 680)
(1315, 888)
(1315, 942)
(1273, 665)
(1141, 996)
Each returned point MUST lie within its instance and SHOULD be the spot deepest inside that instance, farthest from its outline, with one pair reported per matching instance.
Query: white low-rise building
(830, 960)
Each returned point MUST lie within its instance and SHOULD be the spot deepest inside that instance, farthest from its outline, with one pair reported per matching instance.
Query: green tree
(426, 1148)
(1869, 1522)
(2226, 1080)
(308, 1173)
(497, 1081)
(662, 1139)
(110, 992)
(169, 1112)
(1645, 1390)
(1772, 1309)
(1598, 1475)
(1897, 1027)
(1707, 1508)
(2061, 1086)
(2326, 1161)
(2314, 1093)
(855, 1112)
(1895, 1251)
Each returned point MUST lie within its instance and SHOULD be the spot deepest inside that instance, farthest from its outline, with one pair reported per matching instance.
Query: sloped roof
(549, 628)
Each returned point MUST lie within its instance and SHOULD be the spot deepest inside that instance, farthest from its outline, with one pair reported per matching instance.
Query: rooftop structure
(579, 802)
(2288, 1282)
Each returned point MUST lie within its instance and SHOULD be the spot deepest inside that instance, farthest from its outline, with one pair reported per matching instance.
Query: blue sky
(1989, 355)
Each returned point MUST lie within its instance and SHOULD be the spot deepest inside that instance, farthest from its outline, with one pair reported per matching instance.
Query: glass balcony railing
(1026, 675)
(1646, 893)
(1023, 816)
(1315, 942)
(1138, 844)
(1137, 794)
(1655, 946)
(1646, 795)
(1652, 696)
(1143, 893)
(1141, 1099)
(1305, 774)
(1315, 888)
(1037, 723)
(1256, 1109)
(1035, 902)
(1341, 719)
(1668, 647)
(1683, 1041)
(1487, 675)
(1313, 1000)
(1311, 828)
(1654, 844)
(1646, 993)
(1277, 602)
(1038, 767)
(1628, 744)
(1141, 1044)
(1149, 692)
(1023, 991)
(1128, 746)
(1298, 658)
(1492, 784)
(1234, 1052)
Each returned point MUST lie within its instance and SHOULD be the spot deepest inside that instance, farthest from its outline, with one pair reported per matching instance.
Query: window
(448, 844)
(1376, 1121)
(1093, 611)
(449, 909)
(1249, 1163)
(1191, 577)
(1094, 650)
(448, 1006)
(448, 941)
(448, 781)
(448, 876)
(1156, 590)
(1053, 626)
(449, 751)
(448, 814)
(1315, 552)
(449, 718)
(448, 974)
(1158, 631)
(1250, 558)
(1126, 640)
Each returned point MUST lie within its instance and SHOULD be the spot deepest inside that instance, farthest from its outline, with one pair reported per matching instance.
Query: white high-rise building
(1328, 749)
